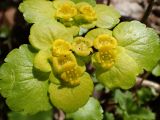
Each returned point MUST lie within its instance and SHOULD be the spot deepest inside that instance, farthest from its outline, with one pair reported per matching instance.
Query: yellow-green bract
(25, 88)
(85, 13)
(53, 69)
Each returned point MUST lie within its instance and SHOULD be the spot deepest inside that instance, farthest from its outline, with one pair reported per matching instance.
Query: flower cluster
(63, 43)
(70, 12)
(65, 64)
(106, 54)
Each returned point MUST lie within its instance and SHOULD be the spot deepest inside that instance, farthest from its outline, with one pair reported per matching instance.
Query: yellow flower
(104, 40)
(61, 47)
(82, 46)
(63, 62)
(106, 56)
(71, 75)
(66, 11)
(87, 12)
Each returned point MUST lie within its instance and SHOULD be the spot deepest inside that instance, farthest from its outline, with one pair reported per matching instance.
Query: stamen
(104, 40)
(87, 12)
(61, 47)
(67, 11)
(82, 46)
(106, 57)
(72, 74)
(63, 62)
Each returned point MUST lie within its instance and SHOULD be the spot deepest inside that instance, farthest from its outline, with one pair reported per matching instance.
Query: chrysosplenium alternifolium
(66, 35)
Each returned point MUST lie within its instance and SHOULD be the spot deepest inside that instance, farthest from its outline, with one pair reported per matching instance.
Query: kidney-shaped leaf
(23, 90)
(141, 43)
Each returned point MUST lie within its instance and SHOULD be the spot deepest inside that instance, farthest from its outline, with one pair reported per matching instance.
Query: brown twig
(148, 83)
(148, 11)
(109, 1)
(146, 74)
(2, 14)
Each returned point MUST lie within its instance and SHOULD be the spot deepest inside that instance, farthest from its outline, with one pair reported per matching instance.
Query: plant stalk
(148, 11)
